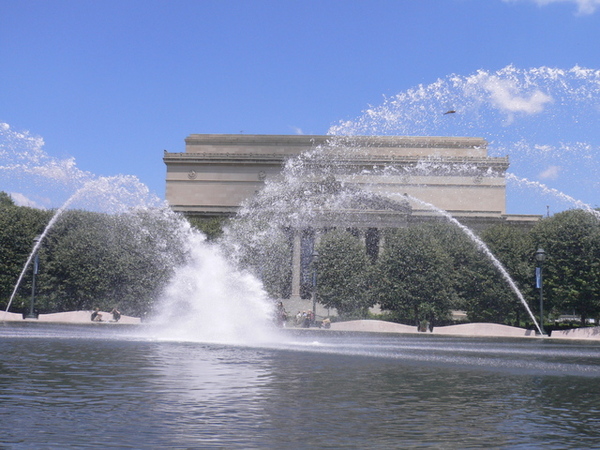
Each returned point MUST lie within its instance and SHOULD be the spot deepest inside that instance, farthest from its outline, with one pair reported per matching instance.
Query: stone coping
(467, 329)
(369, 326)
(578, 333)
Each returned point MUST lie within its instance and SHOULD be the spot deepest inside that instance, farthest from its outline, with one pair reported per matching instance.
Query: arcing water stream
(484, 248)
(544, 118)
(116, 193)
(553, 192)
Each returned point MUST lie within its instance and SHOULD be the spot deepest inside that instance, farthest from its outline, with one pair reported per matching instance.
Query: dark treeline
(87, 260)
(425, 272)
(93, 260)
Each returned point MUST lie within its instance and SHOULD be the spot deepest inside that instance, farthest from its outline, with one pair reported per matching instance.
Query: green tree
(344, 271)
(18, 227)
(480, 288)
(74, 259)
(512, 247)
(571, 240)
(6, 200)
(212, 227)
(465, 261)
(269, 258)
(98, 260)
(415, 276)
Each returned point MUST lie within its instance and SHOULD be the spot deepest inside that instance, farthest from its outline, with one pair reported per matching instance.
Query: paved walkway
(67, 317)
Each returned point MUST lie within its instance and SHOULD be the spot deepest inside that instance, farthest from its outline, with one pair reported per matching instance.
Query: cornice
(249, 158)
(353, 141)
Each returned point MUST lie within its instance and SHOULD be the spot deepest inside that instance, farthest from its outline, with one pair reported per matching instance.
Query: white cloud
(584, 7)
(297, 130)
(22, 200)
(551, 173)
(506, 96)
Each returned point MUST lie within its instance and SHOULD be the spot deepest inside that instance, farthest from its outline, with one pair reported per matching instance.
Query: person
(116, 314)
(96, 316)
(326, 323)
(281, 315)
(306, 319)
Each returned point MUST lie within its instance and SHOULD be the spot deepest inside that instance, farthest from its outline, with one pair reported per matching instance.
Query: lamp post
(315, 263)
(36, 263)
(540, 257)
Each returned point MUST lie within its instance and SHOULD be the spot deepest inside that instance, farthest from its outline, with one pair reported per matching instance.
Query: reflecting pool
(126, 387)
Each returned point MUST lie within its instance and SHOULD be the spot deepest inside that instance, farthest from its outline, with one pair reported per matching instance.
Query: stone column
(296, 258)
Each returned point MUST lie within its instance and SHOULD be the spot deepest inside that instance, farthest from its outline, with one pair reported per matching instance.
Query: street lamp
(315, 263)
(540, 257)
(36, 263)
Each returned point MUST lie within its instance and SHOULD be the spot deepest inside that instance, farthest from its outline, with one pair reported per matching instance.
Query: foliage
(512, 246)
(98, 260)
(18, 227)
(6, 200)
(89, 259)
(212, 227)
(343, 274)
(269, 258)
(571, 273)
(415, 276)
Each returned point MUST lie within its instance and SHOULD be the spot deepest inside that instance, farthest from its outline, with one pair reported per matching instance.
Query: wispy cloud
(297, 130)
(23, 200)
(551, 173)
(21, 151)
(584, 7)
(506, 96)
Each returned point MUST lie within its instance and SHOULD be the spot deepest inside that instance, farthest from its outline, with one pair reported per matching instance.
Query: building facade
(216, 173)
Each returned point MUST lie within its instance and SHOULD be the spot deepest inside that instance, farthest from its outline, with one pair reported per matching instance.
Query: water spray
(484, 248)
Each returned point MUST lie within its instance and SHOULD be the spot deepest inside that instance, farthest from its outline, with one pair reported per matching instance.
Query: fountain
(539, 116)
(553, 192)
(204, 284)
(308, 390)
(506, 105)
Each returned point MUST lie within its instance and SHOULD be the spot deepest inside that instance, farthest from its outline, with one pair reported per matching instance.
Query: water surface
(123, 387)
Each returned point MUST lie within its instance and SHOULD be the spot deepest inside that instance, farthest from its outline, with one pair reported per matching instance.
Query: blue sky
(102, 87)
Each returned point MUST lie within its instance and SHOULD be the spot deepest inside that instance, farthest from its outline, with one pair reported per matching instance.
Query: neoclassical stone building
(217, 172)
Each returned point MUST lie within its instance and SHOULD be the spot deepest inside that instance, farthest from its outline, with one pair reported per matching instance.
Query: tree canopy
(344, 271)
(89, 259)
(415, 276)
(571, 240)
(421, 273)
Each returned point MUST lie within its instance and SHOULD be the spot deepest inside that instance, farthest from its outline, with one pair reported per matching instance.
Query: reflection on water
(106, 386)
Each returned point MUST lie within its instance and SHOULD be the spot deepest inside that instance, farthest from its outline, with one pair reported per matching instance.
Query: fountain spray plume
(484, 248)
(208, 299)
(222, 301)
